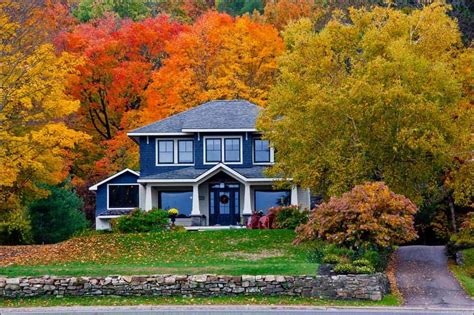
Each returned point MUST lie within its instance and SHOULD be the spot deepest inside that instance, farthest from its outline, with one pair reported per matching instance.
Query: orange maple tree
(219, 57)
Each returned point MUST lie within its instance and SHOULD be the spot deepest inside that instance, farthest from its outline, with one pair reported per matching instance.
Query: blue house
(208, 162)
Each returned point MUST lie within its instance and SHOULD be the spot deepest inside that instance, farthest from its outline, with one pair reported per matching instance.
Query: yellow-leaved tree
(34, 137)
(376, 95)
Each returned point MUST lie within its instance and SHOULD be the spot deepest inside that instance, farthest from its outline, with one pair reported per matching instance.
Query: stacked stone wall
(345, 287)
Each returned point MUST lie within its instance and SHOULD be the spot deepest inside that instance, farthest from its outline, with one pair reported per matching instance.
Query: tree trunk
(453, 215)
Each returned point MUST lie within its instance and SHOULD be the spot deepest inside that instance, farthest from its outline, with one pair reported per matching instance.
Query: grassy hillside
(231, 252)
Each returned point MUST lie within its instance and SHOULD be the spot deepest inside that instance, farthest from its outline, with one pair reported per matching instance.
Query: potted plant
(173, 213)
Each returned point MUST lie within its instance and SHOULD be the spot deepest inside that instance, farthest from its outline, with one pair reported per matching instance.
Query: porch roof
(191, 174)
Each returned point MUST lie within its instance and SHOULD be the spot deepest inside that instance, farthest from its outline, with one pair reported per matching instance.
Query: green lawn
(465, 273)
(232, 252)
(388, 300)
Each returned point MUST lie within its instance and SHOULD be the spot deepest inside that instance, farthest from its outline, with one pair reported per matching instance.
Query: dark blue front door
(224, 204)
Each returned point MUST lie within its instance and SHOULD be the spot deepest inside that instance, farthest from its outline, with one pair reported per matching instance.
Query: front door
(224, 204)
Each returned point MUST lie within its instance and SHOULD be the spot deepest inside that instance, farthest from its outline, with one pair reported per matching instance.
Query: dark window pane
(264, 200)
(181, 200)
(185, 151)
(213, 150)
(232, 150)
(262, 151)
(123, 196)
(165, 151)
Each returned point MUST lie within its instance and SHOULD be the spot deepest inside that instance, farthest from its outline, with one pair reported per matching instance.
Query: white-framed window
(165, 151)
(213, 149)
(185, 151)
(122, 196)
(174, 152)
(232, 150)
(227, 149)
(262, 152)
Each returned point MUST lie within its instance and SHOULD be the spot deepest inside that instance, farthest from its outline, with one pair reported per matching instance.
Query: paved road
(424, 279)
(232, 310)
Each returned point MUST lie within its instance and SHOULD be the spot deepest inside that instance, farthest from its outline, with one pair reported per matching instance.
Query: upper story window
(165, 151)
(232, 150)
(261, 151)
(123, 196)
(223, 149)
(213, 150)
(174, 151)
(185, 151)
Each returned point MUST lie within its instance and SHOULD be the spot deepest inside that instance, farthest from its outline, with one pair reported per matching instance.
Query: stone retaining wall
(347, 287)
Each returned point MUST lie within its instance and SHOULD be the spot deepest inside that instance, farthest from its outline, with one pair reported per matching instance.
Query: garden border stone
(340, 287)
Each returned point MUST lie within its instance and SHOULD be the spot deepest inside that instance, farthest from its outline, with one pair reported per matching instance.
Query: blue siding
(101, 193)
(148, 150)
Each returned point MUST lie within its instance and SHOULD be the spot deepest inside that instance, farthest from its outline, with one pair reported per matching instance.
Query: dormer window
(262, 150)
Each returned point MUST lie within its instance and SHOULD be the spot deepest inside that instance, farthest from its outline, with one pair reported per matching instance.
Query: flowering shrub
(370, 215)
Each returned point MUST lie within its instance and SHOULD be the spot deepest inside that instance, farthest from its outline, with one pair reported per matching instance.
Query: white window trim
(222, 150)
(122, 184)
(272, 154)
(175, 152)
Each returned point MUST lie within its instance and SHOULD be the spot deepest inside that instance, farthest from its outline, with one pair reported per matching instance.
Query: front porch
(221, 198)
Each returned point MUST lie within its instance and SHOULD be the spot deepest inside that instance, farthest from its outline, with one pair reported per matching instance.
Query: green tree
(93, 9)
(239, 7)
(58, 216)
(376, 99)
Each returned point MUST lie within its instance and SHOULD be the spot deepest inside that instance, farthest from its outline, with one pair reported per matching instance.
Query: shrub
(361, 263)
(331, 250)
(289, 217)
(364, 269)
(142, 221)
(332, 259)
(378, 259)
(368, 215)
(344, 268)
(15, 227)
(58, 216)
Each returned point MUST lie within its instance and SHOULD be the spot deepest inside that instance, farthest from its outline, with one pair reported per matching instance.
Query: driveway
(424, 279)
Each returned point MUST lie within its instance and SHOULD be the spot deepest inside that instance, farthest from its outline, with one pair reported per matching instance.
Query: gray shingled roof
(235, 114)
(192, 173)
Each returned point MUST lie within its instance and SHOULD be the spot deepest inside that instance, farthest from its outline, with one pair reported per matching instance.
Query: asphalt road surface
(232, 310)
(424, 279)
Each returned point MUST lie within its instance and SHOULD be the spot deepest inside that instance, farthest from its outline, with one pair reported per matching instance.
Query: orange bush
(370, 214)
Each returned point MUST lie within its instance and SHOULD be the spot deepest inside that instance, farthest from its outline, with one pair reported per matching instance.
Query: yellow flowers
(173, 211)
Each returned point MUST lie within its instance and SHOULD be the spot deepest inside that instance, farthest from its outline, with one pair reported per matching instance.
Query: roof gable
(137, 174)
(221, 115)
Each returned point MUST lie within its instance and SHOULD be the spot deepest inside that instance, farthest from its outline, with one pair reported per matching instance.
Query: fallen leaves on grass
(81, 249)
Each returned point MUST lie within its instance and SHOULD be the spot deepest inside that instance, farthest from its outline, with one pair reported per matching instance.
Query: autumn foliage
(220, 57)
(370, 214)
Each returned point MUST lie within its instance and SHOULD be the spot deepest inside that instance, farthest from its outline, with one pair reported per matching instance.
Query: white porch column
(141, 196)
(247, 201)
(294, 195)
(196, 211)
(148, 202)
